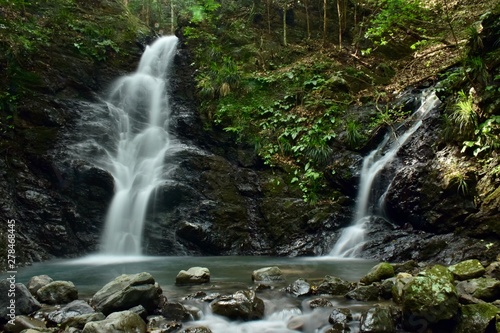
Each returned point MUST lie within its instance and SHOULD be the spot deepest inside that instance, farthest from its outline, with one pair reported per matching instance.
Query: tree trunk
(306, 4)
(284, 25)
(339, 12)
(172, 25)
(324, 21)
(269, 16)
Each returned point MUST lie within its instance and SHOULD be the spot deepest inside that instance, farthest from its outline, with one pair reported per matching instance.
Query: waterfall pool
(228, 274)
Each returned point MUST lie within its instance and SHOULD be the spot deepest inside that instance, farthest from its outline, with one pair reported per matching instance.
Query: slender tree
(306, 5)
(324, 21)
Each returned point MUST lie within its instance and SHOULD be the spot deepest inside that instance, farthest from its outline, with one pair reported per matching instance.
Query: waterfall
(351, 240)
(139, 106)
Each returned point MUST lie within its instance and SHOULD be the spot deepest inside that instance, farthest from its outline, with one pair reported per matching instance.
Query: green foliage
(464, 115)
(391, 16)
(354, 133)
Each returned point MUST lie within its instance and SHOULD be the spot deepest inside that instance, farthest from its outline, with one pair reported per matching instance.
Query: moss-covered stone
(476, 317)
(379, 272)
(487, 289)
(334, 286)
(431, 296)
(468, 269)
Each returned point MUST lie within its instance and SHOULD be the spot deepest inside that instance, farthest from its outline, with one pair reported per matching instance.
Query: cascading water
(351, 240)
(139, 105)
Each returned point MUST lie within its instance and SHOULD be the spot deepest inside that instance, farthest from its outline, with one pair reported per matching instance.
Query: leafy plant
(464, 115)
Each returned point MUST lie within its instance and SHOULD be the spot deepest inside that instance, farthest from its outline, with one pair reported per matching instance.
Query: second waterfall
(351, 240)
(139, 105)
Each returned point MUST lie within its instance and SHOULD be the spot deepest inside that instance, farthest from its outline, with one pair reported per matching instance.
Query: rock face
(127, 291)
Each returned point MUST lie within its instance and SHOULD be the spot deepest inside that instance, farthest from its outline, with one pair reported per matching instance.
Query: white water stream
(351, 240)
(140, 107)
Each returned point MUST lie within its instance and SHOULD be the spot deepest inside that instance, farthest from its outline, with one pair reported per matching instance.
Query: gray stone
(117, 322)
(127, 291)
(196, 329)
(364, 293)
(36, 282)
(175, 311)
(194, 275)
(24, 322)
(243, 305)
(299, 288)
(25, 303)
(476, 318)
(319, 303)
(377, 320)
(70, 310)
(340, 319)
(57, 292)
(486, 289)
(80, 320)
(402, 279)
(267, 274)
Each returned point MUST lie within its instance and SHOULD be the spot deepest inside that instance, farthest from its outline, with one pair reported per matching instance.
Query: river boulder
(194, 275)
(340, 319)
(430, 297)
(468, 269)
(378, 319)
(37, 282)
(378, 273)
(242, 305)
(299, 287)
(24, 322)
(333, 285)
(25, 302)
(476, 317)
(73, 309)
(57, 292)
(127, 291)
(486, 289)
(124, 321)
(267, 274)
(364, 293)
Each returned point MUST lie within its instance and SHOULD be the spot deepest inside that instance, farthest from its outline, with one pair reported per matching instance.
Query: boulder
(123, 321)
(127, 291)
(80, 321)
(175, 311)
(57, 292)
(386, 288)
(299, 288)
(25, 303)
(73, 309)
(476, 318)
(161, 324)
(378, 319)
(430, 297)
(340, 319)
(378, 273)
(333, 285)
(267, 274)
(493, 270)
(319, 303)
(466, 270)
(401, 281)
(242, 305)
(24, 322)
(197, 329)
(194, 275)
(37, 282)
(486, 289)
(364, 293)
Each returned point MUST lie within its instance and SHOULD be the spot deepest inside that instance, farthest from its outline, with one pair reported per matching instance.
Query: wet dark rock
(364, 293)
(377, 320)
(24, 322)
(162, 325)
(340, 319)
(320, 303)
(57, 292)
(299, 287)
(333, 285)
(24, 304)
(386, 288)
(127, 291)
(140, 310)
(174, 311)
(73, 309)
(242, 305)
(79, 321)
(197, 329)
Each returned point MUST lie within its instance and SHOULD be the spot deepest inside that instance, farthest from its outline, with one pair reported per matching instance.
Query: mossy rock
(476, 317)
(466, 270)
(378, 273)
(487, 289)
(431, 297)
